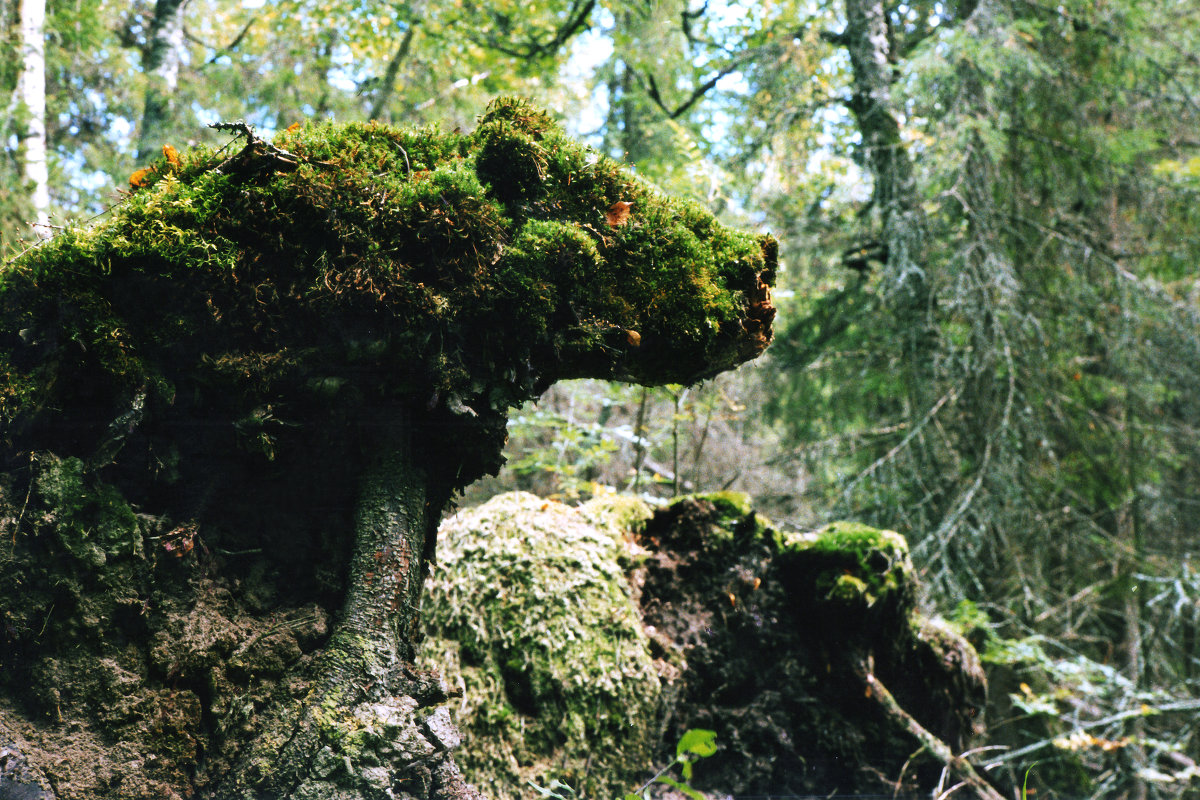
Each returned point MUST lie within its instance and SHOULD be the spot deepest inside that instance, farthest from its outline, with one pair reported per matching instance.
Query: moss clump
(90, 518)
(311, 302)
(760, 643)
(344, 265)
(530, 614)
(863, 565)
(733, 506)
(617, 513)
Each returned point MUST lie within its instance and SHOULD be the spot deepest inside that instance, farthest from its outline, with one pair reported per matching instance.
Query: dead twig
(958, 765)
(257, 154)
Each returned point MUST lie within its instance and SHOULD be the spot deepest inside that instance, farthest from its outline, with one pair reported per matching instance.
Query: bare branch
(959, 765)
(221, 51)
(577, 22)
(385, 92)
(651, 86)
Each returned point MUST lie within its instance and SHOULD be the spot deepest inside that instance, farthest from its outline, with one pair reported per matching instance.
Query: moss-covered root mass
(530, 614)
(240, 348)
(341, 265)
(587, 640)
(370, 723)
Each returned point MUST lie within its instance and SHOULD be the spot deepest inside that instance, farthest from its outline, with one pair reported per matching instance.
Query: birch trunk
(869, 47)
(33, 96)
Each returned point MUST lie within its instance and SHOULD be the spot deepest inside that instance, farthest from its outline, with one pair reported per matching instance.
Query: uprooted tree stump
(232, 413)
(598, 635)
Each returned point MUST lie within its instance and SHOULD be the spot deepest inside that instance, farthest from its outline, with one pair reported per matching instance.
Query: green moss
(857, 564)
(617, 513)
(470, 271)
(733, 506)
(17, 390)
(91, 519)
(530, 613)
(949, 645)
(856, 536)
(850, 589)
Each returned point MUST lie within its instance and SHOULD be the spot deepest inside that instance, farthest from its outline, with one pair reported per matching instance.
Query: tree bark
(33, 97)
(902, 222)
(370, 720)
(383, 97)
(870, 50)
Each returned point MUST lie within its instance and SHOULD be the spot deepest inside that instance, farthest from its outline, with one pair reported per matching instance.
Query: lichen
(530, 614)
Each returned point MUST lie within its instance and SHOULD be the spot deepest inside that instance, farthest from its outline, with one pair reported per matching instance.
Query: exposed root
(959, 766)
(371, 725)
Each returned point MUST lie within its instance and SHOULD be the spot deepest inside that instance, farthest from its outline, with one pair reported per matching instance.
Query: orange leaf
(618, 213)
(295, 126)
(141, 178)
(171, 155)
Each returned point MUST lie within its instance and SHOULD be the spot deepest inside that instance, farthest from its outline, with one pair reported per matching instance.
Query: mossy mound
(861, 575)
(530, 615)
(347, 265)
(128, 662)
(774, 628)
(740, 628)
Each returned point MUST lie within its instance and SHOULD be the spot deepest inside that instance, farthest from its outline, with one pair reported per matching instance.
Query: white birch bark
(33, 96)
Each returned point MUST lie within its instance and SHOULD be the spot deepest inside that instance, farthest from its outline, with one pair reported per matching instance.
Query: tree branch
(650, 86)
(686, 18)
(384, 95)
(221, 51)
(958, 765)
(840, 39)
(576, 22)
(1134, 713)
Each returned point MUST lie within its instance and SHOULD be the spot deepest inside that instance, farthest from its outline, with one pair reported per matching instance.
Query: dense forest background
(989, 336)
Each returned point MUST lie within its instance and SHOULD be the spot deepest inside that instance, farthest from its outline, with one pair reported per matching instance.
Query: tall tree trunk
(370, 720)
(161, 56)
(869, 46)
(33, 98)
(383, 97)
(870, 50)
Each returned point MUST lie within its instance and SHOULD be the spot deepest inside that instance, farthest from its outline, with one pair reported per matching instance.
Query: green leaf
(682, 787)
(553, 792)
(697, 742)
